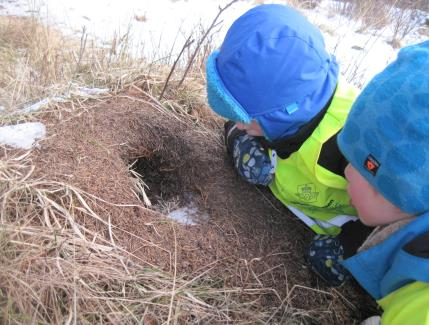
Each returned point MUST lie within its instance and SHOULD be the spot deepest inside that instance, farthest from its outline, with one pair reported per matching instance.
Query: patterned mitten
(251, 160)
(325, 255)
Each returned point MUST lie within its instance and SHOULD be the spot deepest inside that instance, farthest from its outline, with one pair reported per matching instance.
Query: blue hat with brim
(385, 137)
(273, 68)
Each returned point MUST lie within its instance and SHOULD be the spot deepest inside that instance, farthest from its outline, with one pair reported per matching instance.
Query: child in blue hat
(385, 139)
(281, 92)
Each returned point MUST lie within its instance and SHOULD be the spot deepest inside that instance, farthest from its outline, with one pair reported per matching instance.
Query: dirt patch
(249, 240)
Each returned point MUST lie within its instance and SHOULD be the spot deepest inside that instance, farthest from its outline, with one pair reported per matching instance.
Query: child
(274, 80)
(385, 139)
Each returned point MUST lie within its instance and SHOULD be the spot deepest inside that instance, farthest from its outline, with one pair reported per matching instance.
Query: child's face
(253, 128)
(373, 209)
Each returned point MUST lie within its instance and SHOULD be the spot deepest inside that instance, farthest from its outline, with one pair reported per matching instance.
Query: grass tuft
(55, 270)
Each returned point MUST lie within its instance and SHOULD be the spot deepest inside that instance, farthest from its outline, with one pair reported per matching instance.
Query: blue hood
(272, 67)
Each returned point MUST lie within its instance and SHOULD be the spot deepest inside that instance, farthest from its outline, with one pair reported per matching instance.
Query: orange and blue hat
(385, 137)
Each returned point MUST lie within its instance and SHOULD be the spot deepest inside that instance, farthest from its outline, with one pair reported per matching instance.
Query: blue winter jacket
(394, 264)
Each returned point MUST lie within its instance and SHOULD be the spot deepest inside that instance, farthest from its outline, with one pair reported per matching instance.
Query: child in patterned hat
(385, 139)
(281, 92)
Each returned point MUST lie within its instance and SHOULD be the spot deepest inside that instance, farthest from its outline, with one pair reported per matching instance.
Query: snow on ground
(79, 91)
(22, 136)
(156, 26)
(361, 54)
(188, 215)
(160, 27)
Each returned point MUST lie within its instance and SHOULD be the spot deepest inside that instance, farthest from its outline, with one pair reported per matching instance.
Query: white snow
(39, 105)
(184, 215)
(362, 53)
(155, 26)
(188, 215)
(88, 92)
(22, 136)
(159, 28)
(80, 91)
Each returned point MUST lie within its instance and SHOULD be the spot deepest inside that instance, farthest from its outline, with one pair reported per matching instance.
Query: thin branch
(213, 25)
(185, 46)
(83, 41)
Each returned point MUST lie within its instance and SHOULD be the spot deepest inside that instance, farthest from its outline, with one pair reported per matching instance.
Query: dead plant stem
(173, 290)
(188, 43)
(202, 39)
(82, 48)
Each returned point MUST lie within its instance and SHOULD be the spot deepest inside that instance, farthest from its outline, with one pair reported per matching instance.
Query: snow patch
(40, 104)
(85, 92)
(80, 91)
(188, 215)
(158, 28)
(22, 136)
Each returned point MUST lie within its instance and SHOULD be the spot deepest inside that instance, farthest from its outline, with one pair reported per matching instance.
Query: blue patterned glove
(251, 160)
(325, 256)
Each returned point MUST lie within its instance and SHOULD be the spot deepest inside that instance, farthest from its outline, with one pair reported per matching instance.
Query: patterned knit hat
(386, 136)
(272, 67)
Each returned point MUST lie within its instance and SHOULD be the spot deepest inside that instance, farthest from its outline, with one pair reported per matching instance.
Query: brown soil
(249, 240)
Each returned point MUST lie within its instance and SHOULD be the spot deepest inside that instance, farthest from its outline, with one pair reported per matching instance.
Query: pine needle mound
(80, 241)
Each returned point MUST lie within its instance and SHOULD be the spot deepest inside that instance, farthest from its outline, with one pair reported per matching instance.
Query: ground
(249, 239)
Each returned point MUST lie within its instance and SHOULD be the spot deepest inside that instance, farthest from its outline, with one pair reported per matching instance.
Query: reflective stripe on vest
(317, 193)
(320, 226)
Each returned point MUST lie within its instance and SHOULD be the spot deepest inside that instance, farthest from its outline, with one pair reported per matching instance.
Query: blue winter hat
(386, 136)
(271, 67)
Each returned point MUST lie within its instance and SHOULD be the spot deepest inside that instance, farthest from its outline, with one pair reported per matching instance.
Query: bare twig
(173, 289)
(213, 25)
(83, 41)
(188, 43)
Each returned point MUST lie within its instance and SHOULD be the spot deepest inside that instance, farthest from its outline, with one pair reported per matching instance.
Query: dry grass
(54, 270)
(37, 61)
(31, 58)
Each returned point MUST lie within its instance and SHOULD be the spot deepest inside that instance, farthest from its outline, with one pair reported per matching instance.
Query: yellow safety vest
(407, 305)
(314, 194)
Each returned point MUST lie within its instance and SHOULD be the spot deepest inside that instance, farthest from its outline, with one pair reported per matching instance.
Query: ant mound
(164, 184)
